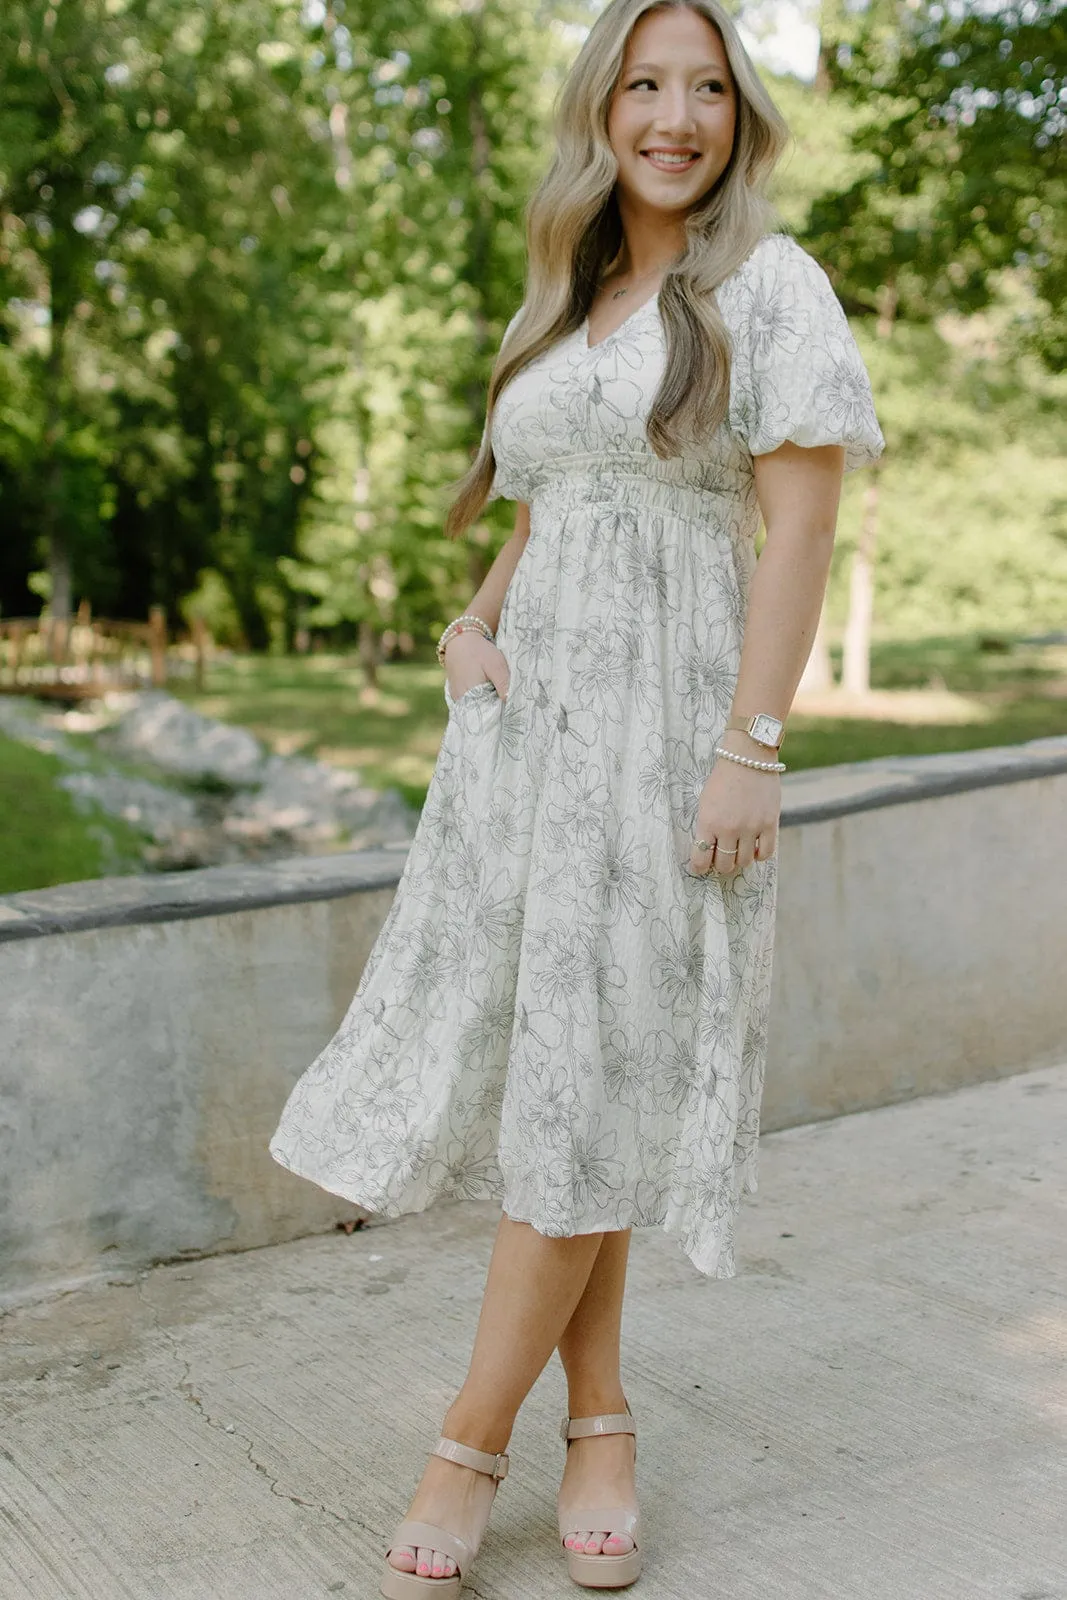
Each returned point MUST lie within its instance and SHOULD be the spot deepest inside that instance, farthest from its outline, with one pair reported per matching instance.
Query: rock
(161, 813)
(318, 805)
(283, 806)
(177, 739)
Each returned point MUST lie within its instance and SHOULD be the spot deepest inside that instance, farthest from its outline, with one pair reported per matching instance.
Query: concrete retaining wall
(151, 1028)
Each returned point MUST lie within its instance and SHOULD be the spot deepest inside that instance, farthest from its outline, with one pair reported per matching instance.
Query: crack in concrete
(187, 1390)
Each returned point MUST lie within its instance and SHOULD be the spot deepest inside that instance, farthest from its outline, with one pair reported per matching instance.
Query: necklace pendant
(619, 293)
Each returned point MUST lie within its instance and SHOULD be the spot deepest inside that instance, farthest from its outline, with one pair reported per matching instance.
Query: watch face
(766, 730)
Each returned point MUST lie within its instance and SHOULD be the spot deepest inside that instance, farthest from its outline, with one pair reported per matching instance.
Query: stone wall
(152, 1027)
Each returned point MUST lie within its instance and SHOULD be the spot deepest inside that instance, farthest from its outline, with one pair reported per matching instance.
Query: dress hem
(716, 1256)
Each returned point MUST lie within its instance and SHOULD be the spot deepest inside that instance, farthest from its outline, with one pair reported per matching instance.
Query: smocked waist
(681, 488)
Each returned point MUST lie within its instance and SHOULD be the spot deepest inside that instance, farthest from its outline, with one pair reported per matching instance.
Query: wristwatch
(764, 728)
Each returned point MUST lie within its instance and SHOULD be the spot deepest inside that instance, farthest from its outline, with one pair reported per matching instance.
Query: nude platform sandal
(600, 1572)
(410, 1585)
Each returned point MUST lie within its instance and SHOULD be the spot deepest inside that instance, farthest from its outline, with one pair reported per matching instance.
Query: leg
(601, 1470)
(532, 1289)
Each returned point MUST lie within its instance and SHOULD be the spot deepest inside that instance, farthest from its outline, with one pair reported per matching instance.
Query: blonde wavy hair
(574, 234)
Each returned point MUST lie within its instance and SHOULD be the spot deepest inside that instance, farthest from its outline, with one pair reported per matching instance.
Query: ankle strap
(589, 1427)
(478, 1460)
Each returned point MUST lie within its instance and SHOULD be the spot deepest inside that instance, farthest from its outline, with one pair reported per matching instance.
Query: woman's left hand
(737, 817)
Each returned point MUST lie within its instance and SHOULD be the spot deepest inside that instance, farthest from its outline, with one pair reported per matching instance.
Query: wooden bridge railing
(86, 656)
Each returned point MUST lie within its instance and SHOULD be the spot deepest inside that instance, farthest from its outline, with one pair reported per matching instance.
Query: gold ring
(702, 844)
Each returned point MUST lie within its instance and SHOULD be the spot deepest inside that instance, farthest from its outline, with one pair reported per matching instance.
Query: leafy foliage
(256, 256)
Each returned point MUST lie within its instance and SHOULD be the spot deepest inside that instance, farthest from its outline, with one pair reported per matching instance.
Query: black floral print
(556, 1012)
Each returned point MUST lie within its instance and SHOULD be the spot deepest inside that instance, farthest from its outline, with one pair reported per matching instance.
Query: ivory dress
(556, 1012)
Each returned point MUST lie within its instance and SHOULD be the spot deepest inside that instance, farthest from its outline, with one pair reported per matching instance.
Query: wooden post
(58, 639)
(17, 631)
(157, 644)
(200, 642)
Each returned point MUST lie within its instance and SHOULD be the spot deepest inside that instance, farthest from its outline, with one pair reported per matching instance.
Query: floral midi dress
(556, 1012)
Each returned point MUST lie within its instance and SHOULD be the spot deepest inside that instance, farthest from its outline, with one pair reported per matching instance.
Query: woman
(566, 1007)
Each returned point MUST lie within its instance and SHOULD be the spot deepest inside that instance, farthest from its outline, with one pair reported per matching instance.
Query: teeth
(671, 161)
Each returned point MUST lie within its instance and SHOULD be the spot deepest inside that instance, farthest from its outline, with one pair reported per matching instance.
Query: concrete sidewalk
(874, 1409)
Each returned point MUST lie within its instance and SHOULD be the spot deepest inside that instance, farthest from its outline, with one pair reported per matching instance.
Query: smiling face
(673, 113)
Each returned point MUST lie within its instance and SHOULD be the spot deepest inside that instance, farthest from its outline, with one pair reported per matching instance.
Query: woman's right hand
(471, 659)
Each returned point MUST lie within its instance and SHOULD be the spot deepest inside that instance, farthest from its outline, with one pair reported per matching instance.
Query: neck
(651, 240)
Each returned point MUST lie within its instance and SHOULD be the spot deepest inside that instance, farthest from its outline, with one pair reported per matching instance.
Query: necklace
(617, 294)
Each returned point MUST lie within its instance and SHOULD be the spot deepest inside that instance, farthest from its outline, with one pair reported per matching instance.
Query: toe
(403, 1558)
(423, 1562)
(618, 1544)
(594, 1544)
(450, 1567)
(437, 1569)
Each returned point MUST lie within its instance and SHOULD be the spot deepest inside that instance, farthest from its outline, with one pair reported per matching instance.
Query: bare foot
(600, 1472)
(450, 1497)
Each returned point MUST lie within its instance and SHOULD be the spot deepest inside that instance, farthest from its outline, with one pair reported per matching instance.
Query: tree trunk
(479, 250)
(368, 652)
(362, 516)
(856, 659)
(856, 655)
(54, 533)
(818, 674)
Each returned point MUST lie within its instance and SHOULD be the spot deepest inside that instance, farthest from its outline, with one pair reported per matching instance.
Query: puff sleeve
(797, 373)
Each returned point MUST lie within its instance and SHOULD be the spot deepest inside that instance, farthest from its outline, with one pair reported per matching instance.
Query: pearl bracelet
(460, 625)
(747, 761)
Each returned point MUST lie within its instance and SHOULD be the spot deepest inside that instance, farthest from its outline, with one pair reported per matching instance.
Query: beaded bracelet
(461, 625)
(747, 761)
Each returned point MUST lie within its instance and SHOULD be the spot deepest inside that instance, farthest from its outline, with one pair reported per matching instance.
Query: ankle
(593, 1397)
(476, 1425)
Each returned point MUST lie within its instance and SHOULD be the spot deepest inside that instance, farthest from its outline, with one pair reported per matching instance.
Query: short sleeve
(797, 373)
(497, 490)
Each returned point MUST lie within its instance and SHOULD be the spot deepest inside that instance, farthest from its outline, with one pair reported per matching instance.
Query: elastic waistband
(681, 489)
(626, 488)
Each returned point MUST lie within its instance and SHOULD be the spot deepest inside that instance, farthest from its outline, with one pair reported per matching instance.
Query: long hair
(574, 233)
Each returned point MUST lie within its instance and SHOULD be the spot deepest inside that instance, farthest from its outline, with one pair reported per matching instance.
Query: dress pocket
(475, 690)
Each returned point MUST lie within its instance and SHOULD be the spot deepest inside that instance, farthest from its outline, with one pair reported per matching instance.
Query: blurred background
(255, 259)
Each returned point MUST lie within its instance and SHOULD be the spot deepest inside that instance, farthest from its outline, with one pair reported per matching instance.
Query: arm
(470, 658)
(798, 491)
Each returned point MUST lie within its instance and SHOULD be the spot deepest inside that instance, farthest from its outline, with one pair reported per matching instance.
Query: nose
(674, 113)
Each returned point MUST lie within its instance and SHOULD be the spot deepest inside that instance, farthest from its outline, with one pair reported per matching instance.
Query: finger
(768, 843)
(700, 857)
(746, 851)
(726, 857)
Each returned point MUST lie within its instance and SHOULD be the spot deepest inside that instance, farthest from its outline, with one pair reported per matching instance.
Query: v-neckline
(583, 329)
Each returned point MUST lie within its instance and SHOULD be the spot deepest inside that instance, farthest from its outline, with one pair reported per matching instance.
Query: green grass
(319, 706)
(45, 838)
(929, 695)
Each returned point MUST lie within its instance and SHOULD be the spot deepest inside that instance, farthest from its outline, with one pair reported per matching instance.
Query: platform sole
(410, 1586)
(604, 1572)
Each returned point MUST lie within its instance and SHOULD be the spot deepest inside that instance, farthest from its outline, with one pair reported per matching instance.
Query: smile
(671, 160)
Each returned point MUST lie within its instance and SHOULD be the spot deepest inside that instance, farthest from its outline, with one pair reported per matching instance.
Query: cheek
(726, 125)
(620, 130)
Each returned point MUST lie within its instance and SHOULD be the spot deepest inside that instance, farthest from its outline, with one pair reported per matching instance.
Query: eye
(716, 85)
(640, 82)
